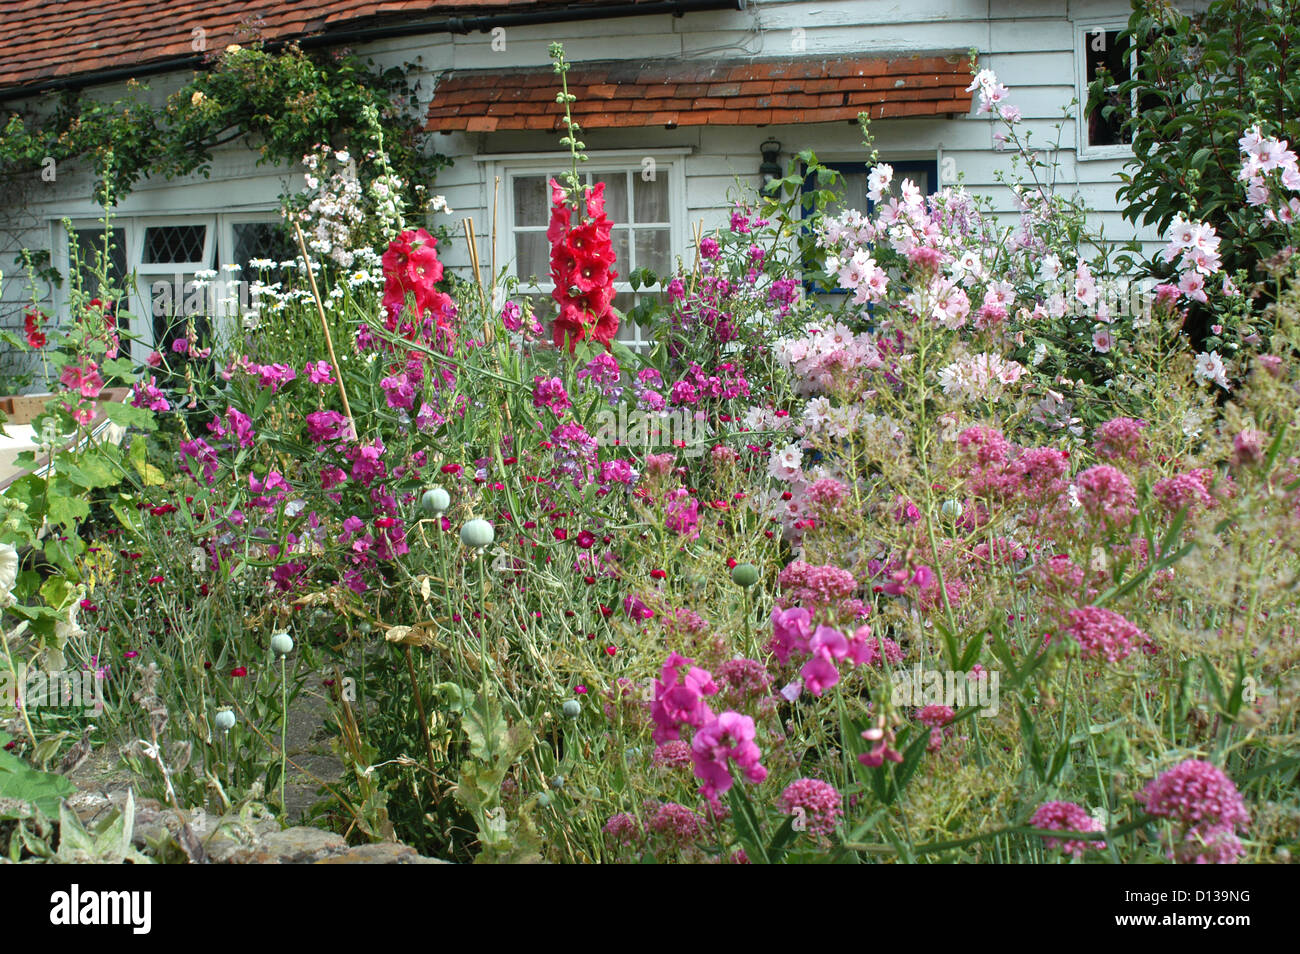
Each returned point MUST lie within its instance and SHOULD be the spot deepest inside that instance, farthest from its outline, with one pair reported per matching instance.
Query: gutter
(454, 25)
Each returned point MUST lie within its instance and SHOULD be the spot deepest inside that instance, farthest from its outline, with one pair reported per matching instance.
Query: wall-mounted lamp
(770, 169)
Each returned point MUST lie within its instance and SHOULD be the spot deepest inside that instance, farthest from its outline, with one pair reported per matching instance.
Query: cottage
(681, 103)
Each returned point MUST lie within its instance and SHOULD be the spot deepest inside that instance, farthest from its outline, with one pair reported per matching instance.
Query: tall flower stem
(284, 727)
(324, 324)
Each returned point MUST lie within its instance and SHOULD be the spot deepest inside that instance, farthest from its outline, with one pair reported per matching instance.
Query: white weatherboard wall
(1031, 44)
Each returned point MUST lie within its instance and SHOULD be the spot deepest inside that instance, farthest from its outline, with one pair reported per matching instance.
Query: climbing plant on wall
(286, 101)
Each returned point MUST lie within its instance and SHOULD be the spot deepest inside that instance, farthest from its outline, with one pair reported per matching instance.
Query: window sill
(1103, 153)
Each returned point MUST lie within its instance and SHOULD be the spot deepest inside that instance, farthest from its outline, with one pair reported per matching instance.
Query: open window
(1101, 49)
(170, 270)
(175, 261)
(924, 173)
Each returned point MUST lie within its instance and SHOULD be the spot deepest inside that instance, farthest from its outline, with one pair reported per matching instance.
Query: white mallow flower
(1210, 367)
(878, 180)
(8, 573)
(786, 464)
(1049, 269)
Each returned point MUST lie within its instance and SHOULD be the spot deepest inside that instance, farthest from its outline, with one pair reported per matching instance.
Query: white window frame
(668, 162)
(226, 231)
(1084, 30)
(144, 223)
(129, 230)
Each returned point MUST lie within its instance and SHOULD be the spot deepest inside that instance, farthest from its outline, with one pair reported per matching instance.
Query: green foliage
(1200, 81)
(285, 101)
(23, 783)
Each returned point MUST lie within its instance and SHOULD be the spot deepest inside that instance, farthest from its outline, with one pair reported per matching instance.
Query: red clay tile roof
(735, 93)
(43, 40)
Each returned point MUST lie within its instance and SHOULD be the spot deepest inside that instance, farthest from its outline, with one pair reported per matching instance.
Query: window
(1101, 50)
(924, 173)
(263, 239)
(96, 248)
(640, 201)
(161, 266)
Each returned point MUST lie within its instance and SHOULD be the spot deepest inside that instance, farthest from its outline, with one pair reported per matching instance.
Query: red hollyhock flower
(31, 324)
(582, 256)
(411, 267)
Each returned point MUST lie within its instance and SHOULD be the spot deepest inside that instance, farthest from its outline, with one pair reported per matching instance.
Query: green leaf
(149, 474)
(746, 824)
(128, 416)
(66, 511)
(486, 728)
(91, 472)
(45, 790)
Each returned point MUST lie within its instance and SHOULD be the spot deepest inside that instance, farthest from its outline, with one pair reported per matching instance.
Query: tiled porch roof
(738, 93)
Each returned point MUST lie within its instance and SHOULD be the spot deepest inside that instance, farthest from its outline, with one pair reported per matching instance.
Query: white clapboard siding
(1029, 43)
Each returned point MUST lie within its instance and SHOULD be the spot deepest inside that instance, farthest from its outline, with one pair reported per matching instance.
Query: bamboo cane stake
(324, 324)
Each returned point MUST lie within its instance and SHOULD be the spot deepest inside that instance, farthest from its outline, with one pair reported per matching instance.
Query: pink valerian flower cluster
(1104, 634)
(624, 830)
(1067, 816)
(1120, 438)
(1190, 490)
(679, 826)
(991, 467)
(1106, 496)
(672, 754)
(816, 585)
(744, 679)
(1205, 809)
(815, 805)
(1268, 162)
(719, 741)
